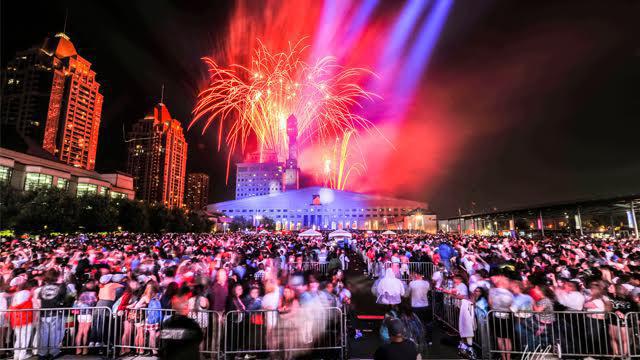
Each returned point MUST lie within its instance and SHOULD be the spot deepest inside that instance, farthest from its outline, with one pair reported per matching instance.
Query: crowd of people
(570, 292)
(516, 285)
(139, 276)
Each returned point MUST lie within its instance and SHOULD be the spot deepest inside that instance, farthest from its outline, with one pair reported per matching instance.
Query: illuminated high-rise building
(196, 195)
(50, 94)
(158, 158)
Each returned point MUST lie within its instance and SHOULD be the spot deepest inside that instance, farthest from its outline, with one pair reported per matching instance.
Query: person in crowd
(596, 303)
(180, 301)
(500, 300)
(137, 306)
(415, 330)
(198, 304)
(170, 291)
(253, 301)
(21, 321)
(389, 289)
(621, 304)
(220, 291)
(127, 314)
(418, 292)
(398, 347)
(110, 289)
(181, 338)
(52, 297)
(179, 263)
(85, 302)
(446, 252)
(480, 299)
(543, 298)
(344, 260)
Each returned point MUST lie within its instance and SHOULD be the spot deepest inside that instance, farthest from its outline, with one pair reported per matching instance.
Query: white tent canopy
(263, 232)
(388, 232)
(340, 234)
(310, 233)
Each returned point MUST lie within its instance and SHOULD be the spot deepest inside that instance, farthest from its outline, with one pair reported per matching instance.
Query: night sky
(541, 97)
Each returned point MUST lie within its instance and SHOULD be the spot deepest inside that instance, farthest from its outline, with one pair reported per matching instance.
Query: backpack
(384, 330)
(154, 311)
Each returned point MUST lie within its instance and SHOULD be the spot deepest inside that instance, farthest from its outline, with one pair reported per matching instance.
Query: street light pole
(580, 222)
(635, 222)
(541, 223)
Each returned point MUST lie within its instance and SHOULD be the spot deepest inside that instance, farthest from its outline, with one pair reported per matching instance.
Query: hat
(105, 278)
(396, 327)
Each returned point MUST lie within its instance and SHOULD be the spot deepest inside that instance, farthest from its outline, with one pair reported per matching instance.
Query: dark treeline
(53, 210)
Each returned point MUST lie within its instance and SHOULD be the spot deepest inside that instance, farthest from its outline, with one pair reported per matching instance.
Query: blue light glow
(420, 54)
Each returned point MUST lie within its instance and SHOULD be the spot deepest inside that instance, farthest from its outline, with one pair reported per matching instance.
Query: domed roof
(60, 45)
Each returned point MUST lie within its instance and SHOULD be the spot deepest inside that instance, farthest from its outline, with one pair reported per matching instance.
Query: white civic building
(327, 209)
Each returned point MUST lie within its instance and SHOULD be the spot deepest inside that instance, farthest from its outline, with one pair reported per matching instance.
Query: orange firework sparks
(258, 99)
(338, 165)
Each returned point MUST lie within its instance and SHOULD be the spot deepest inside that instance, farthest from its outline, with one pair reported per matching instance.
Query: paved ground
(444, 346)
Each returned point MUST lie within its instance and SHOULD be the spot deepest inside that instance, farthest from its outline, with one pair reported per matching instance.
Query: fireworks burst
(258, 99)
(338, 165)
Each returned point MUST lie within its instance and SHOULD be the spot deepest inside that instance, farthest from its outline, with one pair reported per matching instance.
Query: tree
(178, 220)
(240, 223)
(96, 213)
(49, 209)
(10, 204)
(158, 218)
(268, 223)
(198, 222)
(45, 210)
(133, 215)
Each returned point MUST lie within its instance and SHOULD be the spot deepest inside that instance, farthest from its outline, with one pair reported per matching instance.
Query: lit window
(103, 191)
(117, 195)
(5, 174)
(36, 180)
(87, 189)
(62, 183)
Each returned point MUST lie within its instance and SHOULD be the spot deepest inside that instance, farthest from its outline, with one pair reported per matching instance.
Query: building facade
(158, 158)
(324, 209)
(50, 94)
(256, 179)
(27, 172)
(196, 196)
(264, 174)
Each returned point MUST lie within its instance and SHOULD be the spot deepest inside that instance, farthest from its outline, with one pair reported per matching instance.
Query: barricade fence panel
(139, 329)
(566, 334)
(563, 333)
(404, 271)
(301, 331)
(320, 331)
(315, 266)
(446, 309)
(632, 321)
(45, 332)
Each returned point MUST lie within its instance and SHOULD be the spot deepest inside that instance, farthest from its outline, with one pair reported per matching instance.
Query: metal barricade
(404, 270)
(563, 333)
(48, 332)
(319, 331)
(137, 330)
(632, 321)
(315, 266)
(446, 309)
